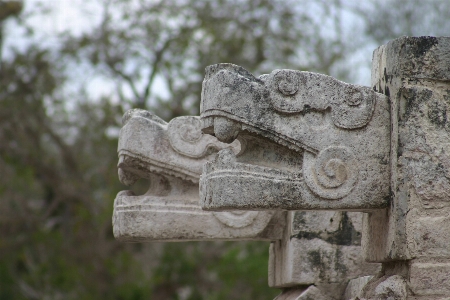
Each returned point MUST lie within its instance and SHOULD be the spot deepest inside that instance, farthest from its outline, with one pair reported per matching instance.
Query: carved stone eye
(287, 83)
(331, 174)
(354, 99)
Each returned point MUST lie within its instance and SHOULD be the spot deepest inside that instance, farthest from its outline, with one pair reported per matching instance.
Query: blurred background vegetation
(61, 102)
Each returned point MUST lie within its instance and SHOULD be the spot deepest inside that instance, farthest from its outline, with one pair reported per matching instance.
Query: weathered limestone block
(355, 287)
(430, 277)
(171, 157)
(309, 142)
(390, 287)
(415, 73)
(319, 248)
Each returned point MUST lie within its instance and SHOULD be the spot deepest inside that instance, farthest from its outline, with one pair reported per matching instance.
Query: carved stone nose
(226, 130)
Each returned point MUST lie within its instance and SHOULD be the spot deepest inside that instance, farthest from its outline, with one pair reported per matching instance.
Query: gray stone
(309, 293)
(415, 73)
(308, 142)
(392, 287)
(355, 287)
(319, 247)
(430, 277)
(305, 141)
(171, 157)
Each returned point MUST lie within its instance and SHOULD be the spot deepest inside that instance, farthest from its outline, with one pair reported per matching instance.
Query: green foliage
(215, 271)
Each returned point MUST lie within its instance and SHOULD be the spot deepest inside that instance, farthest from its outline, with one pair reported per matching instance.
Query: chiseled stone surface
(309, 293)
(171, 156)
(430, 277)
(309, 142)
(415, 73)
(355, 287)
(319, 247)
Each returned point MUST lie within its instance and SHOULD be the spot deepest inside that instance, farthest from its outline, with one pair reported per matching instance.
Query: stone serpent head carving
(308, 141)
(171, 155)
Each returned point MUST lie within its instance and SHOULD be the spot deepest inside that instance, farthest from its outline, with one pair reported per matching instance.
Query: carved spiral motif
(190, 132)
(186, 138)
(236, 219)
(295, 91)
(291, 91)
(288, 83)
(355, 99)
(332, 174)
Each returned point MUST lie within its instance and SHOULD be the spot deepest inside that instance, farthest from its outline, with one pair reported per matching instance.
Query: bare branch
(155, 67)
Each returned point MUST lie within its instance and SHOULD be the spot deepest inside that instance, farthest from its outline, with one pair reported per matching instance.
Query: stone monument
(341, 147)
(308, 141)
(319, 251)
(296, 159)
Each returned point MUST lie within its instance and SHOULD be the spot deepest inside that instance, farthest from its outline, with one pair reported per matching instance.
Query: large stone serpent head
(308, 141)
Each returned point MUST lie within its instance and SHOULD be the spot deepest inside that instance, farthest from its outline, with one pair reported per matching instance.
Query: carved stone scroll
(171, 156)
(311, 142)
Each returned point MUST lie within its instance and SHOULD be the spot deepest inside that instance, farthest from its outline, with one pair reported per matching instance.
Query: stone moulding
(171, 155)
(309, 142)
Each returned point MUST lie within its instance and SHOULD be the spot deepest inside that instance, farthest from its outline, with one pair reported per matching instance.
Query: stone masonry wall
(412, 237)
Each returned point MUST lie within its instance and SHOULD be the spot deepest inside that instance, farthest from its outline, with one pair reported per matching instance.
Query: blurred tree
(55, 195)
(157, 50)
(9, 9)
(388, 19)
(58, 146)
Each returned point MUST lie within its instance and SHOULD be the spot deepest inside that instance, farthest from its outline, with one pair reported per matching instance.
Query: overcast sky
(77, 16)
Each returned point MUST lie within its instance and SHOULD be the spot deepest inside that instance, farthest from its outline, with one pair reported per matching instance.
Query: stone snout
(309, 142)
(170, 156)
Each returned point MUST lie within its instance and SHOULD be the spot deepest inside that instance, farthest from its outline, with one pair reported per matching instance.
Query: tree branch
(158, 57)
